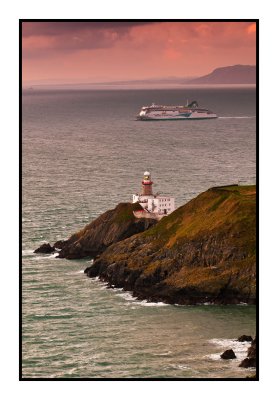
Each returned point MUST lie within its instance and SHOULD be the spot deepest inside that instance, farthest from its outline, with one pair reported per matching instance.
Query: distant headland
(235, 74)
(202, 252)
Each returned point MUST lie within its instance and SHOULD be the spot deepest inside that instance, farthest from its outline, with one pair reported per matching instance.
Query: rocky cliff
(205, 251)
(111, 227)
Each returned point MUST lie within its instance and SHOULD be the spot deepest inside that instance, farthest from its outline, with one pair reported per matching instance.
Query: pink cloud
(132, 50)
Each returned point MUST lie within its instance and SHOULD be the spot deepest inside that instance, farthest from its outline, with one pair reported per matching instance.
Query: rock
(45, 248)
(251, 359)
(228, 354)
(248, 363)
(60, 244)
(245, 338)
(253, 377)
(252, 351)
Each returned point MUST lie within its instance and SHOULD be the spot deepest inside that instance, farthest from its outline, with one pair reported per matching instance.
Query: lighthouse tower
(147, 189)
(153, 205)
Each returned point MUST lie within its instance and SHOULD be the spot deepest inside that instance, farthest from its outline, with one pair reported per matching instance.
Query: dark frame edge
(256, 21)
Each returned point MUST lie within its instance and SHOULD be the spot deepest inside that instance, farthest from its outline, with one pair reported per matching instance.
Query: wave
(146, 303)
(126, 296)
(46, 256)
(28, 252)
(242, 117)
(38, 256)
(134, 301)
(240, 348)
(180, 366)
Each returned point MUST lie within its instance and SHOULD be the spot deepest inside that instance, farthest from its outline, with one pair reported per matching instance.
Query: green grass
(218, 209)
(125, 212)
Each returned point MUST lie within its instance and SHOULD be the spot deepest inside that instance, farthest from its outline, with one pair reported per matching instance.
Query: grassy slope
(219, 211)
(123, 213)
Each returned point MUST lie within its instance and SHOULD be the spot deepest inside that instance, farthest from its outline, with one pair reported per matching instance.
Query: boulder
(60, 244)
(45, 248)
(245, 338)
(228, 354)
(252, 351)
(248, 363)
(251, 359)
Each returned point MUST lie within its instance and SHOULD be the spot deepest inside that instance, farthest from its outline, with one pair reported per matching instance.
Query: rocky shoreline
(251, 360)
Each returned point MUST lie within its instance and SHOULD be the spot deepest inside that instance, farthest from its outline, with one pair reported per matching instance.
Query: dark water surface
(83, 153)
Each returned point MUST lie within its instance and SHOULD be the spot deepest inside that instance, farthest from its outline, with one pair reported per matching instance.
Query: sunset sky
(80, 52)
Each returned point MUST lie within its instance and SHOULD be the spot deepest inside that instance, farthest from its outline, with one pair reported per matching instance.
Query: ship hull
(141, 118)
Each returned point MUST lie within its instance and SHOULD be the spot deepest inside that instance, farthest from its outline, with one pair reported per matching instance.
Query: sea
(83, 152)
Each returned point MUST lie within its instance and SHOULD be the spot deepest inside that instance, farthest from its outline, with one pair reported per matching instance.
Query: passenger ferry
(159, 112)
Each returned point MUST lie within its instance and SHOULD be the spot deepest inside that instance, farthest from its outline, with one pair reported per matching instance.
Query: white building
(154, 206)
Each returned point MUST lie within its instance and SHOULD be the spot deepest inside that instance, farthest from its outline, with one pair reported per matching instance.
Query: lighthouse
(147, 185)
(153, 205)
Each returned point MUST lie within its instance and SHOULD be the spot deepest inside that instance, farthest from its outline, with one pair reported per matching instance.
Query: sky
(92, 52)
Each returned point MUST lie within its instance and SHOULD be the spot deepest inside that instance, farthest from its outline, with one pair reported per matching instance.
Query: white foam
(180, 366)
(127, 296)
(45, 256)
(103, 287)
(240, 348)
(214, 357)
(163, 354)
(54, 255)
(28, 252)
(134, 301)
(146, 303)
(95, 279)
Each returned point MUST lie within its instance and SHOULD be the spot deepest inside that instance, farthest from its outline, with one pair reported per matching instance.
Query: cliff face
(205, 251)
(111, 227)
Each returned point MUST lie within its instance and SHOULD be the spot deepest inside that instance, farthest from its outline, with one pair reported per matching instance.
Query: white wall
(156, 204)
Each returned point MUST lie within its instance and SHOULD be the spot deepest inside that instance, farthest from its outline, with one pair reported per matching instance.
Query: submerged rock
(45, 248)
(228, 354)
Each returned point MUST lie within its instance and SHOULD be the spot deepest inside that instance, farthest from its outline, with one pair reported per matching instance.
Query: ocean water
(83, 153)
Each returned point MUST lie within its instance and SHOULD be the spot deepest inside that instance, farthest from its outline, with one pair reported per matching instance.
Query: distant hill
(234, 74)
